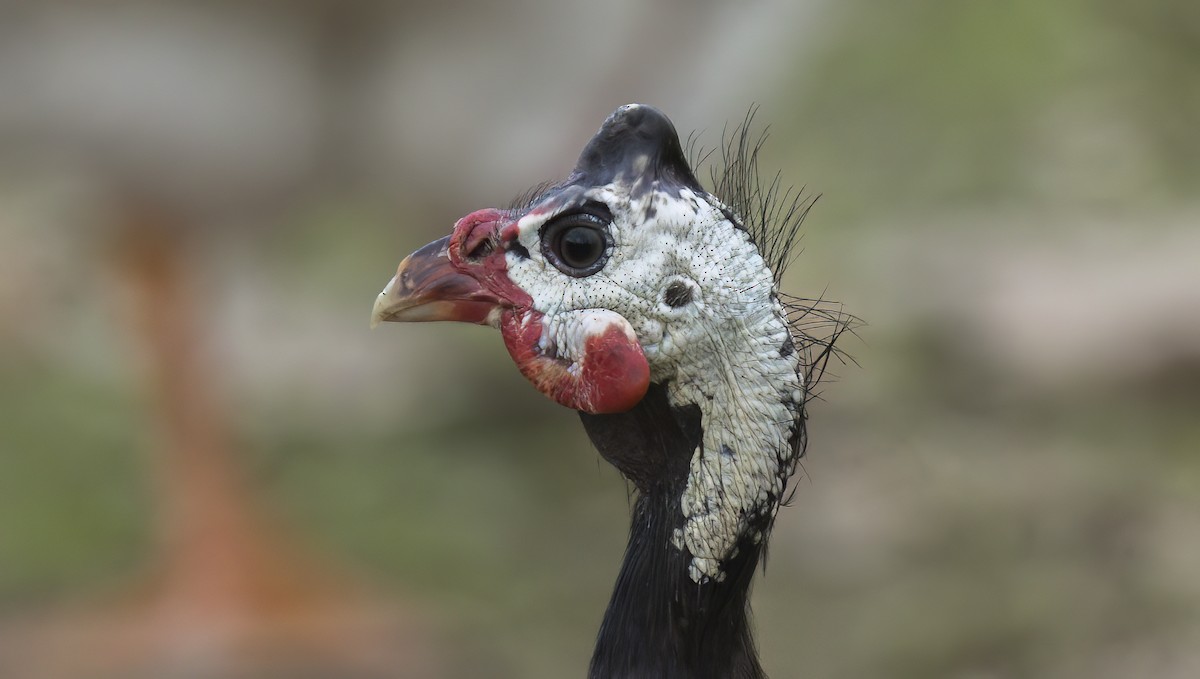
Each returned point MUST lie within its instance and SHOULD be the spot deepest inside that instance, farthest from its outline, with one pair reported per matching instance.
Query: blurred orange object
(231, 597)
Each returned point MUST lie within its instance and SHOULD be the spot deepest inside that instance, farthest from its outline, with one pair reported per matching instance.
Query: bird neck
(661, 622)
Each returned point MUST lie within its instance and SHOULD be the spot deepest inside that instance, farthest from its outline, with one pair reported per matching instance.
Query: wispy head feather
(773, 215)
(770, 212)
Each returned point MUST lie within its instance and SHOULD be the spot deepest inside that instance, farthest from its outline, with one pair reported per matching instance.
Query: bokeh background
(210, 468)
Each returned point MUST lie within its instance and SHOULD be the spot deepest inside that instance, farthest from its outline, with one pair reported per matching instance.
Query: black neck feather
(660, 623)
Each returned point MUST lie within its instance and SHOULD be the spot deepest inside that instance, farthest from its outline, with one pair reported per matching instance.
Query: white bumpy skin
(722, 349)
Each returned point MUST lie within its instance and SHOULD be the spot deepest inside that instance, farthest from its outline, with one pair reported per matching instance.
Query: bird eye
(576, 244)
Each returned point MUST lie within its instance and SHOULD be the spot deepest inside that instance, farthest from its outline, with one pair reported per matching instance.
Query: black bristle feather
(530, 197)
(773, 215)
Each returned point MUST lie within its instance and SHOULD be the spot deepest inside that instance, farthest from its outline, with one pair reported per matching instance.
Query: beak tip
(380, 310)
(427, 287)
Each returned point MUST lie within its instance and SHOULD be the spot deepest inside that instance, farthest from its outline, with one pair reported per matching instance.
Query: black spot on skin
(788, 348)
(519, 250)
(727, 452)
(677, 294)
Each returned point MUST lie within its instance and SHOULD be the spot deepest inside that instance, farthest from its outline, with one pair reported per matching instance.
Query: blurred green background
(199, 202)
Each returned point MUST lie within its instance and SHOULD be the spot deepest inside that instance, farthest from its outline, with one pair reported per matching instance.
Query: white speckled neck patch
(750, 392)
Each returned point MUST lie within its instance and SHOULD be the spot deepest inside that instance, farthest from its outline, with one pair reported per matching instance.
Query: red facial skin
(611, 376)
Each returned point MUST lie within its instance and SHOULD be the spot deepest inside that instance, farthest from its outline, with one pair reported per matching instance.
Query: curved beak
(427, 287)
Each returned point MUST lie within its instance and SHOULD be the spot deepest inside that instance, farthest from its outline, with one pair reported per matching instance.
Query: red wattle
(611, 375)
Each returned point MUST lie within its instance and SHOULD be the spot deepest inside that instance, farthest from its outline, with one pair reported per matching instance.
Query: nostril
(479, 243)
(481, 249)
(477, 236)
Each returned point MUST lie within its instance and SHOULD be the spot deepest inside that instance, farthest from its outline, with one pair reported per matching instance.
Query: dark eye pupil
(577, 243)
(581, 246)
